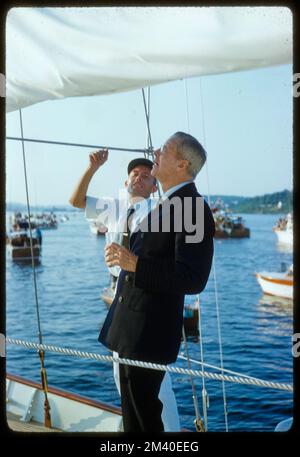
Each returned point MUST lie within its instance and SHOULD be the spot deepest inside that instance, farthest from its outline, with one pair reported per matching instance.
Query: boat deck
(17, 425)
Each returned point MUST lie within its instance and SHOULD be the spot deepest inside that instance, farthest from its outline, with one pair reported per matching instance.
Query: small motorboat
(279, 284)
(18, 244)
(228, 225)
(98, 228)
(284, 230)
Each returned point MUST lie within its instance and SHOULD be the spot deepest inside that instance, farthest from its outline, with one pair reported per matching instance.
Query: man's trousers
(141, 407)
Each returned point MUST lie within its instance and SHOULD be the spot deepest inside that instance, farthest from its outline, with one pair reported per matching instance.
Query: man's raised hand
(98, 158)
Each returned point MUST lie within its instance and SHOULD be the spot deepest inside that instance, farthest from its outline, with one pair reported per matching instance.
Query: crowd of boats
(228, 225)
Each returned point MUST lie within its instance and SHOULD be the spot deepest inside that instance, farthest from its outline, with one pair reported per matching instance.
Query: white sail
(62, 52)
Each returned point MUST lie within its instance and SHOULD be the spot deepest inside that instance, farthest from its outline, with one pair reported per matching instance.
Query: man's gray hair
(188, 148)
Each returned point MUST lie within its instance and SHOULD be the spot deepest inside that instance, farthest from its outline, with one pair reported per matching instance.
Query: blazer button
(127, 278)
(142, 235)
(120, 299)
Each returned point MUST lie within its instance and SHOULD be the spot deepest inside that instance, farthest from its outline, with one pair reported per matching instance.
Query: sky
(245, 126)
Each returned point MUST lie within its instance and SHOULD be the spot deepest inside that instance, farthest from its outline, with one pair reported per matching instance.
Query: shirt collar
(174, 188)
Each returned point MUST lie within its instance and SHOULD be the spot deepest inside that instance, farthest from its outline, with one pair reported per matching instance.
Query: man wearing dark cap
(113, 214)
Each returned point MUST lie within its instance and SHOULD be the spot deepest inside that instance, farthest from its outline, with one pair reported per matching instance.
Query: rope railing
(155, 366)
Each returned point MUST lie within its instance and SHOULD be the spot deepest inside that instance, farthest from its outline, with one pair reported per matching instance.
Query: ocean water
(256, 330)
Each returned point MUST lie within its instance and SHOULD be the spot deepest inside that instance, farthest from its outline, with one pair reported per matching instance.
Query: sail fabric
(53, 53)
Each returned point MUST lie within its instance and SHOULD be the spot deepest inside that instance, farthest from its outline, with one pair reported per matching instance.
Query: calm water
(256, 333)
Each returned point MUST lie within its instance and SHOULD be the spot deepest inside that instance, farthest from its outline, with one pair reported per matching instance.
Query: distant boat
(98, 228)
(227, 225)
(284, 230)
(64, 218)
(277, 284)
(18, 244)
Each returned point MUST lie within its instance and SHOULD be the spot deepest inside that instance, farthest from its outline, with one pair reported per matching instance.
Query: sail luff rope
(40, 336)
(204, 393)
(214, 272)
(61, 143)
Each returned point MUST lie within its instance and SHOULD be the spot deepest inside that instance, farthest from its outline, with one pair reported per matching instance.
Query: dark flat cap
(140, 161)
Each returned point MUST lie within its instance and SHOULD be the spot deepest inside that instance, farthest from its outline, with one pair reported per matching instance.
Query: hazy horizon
(212, 195)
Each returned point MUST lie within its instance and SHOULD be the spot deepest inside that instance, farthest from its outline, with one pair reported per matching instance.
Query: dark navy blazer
(145, 319)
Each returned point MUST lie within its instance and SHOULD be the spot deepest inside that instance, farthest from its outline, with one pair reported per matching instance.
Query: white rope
(155, 366)
(214, 275)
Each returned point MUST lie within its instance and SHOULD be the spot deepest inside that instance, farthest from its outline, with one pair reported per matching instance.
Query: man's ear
(154, 189)
(126, 183)
(183, 164)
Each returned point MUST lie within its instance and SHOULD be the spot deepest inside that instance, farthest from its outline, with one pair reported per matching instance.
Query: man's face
(165, 162)
(140, 182)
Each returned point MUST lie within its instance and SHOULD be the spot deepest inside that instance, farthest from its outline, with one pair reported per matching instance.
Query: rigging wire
(148, 112)
(30, 233)
(214, 274)
(205, 398)
(148, 124)
(200, 427)
(40, 336)
(61, 143)
(204, 392)
(150, 149)
(187, 106)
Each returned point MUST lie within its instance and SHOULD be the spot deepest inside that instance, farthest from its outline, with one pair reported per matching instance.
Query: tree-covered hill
(278, 202)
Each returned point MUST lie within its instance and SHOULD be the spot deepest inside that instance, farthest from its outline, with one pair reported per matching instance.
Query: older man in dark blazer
(161, 266)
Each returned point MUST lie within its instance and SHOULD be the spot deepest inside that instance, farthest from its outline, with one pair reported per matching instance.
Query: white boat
(284, 230)
(285, 236)
(69, 412)
(277, 284)
(97, 229)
